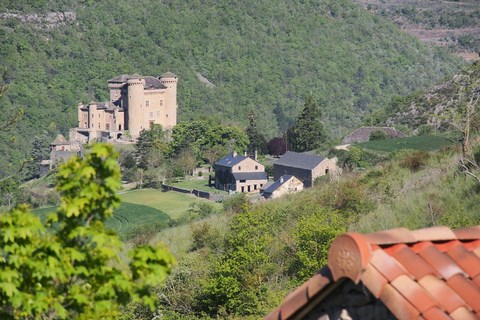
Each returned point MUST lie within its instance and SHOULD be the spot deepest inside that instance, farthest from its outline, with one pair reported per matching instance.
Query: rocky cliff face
(42, 20)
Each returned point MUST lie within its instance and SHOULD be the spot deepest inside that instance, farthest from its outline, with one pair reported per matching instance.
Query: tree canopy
(69, 267)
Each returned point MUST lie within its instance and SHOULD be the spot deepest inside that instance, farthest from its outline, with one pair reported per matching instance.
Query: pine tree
(257, 140)
(307, 133)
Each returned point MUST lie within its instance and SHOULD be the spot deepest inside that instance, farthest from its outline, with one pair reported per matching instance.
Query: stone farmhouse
(60, 150)
(430, 273)
(304, 167)
(363, 134)
(136, 102)
(284, 185)
(239, 173)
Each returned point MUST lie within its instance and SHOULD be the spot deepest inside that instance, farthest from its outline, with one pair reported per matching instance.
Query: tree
(150, 143)
(39, 152)
(213, 154)
(257, 142)
(276, 147)
(73, 269)
(307, 133)
(378, 135)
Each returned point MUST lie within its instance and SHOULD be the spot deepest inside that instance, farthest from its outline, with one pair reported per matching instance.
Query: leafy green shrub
(415, 160)
(378, 135)
(236, 203)
(424, 130)
(203, 235)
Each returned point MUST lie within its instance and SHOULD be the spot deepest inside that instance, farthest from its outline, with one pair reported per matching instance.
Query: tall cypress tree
(257, 140)
(308, 133)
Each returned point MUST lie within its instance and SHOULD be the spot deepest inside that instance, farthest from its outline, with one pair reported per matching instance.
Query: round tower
(81, 119)
(170, 81)
(135, 110)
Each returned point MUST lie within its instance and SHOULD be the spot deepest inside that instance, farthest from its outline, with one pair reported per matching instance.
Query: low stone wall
(198, 193)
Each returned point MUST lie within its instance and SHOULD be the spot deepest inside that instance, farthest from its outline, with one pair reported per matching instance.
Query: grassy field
(145, 207)
(425, 143)
(174, 204)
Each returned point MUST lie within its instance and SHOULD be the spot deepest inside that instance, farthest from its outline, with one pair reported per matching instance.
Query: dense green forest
(262, 55)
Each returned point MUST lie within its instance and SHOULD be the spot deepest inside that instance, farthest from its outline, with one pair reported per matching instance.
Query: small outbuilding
(285, 185)
(304, 167)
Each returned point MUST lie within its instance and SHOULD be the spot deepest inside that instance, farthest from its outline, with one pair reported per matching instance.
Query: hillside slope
(454, 24)
(262, 55)
(436, 107)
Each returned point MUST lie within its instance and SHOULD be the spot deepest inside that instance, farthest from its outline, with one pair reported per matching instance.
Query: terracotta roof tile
(466, 290)
(397, 304)
(431, 273)
(434, 233)
(469, 233)
(414, 264)
(435, 314)
(414, 293)
(440, 290)
(443, 264)
(463, 314)
(465, 259)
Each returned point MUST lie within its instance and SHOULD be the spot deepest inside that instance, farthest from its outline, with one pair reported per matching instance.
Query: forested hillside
(262, 55)
(444, 107)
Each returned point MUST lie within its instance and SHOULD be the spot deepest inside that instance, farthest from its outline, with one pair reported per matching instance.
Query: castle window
(92, 115)
(99, 125)
(151, 114)
(107, 126)
(147, 103)
(161, 103)
(158, 113)
(166, 116)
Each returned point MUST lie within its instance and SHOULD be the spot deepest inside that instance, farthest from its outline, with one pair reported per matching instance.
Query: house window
(147, 103)
(243, 180)
(239, 168)
(254, 187)
(119, 127)
(256, 167)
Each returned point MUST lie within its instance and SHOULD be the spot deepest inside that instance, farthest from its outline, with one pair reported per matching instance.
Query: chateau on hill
(136, 102)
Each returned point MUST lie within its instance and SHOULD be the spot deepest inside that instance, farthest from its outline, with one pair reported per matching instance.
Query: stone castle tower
(136, 102)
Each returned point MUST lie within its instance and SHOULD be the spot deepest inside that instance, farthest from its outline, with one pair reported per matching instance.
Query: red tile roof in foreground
(431, 273)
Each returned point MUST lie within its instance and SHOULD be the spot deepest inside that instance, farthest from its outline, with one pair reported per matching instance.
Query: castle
(136, 102)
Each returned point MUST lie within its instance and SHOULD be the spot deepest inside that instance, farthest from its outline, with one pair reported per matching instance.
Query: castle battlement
(136, 103)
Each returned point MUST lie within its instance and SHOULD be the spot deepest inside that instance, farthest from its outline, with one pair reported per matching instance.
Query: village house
(430, 273)
(304, 167)
(284, 185)
(60, 151)
(136, 102)
(239, 173)
(363, 134)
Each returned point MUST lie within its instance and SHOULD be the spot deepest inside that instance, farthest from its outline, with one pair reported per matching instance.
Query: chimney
(234, 153)
(281, 179)
(255, 155)
(245, 153)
